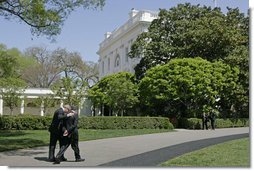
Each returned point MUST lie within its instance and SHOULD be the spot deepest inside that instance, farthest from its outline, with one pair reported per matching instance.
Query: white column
(22, 106)
(79, 109)
(61, 103)
(98, 112)
(102, 110)
(92, 110)
(80, 106)
(1, 106)
(42, 108)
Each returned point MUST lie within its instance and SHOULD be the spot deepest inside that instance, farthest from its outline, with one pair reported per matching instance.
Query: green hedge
(30, 122)
(125, 123)
(195, 123)
(24, 122)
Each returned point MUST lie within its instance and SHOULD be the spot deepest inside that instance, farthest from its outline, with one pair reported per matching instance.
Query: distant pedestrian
(205, 120)
(212, 118)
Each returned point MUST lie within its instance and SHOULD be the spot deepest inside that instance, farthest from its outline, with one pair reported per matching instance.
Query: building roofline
(125, 27)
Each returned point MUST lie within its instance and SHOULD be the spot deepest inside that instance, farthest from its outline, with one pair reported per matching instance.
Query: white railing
(144, 15)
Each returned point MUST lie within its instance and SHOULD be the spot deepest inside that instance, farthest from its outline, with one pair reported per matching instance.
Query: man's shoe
(63, 159)
(52, 160)
(57, 161)
(79, 160)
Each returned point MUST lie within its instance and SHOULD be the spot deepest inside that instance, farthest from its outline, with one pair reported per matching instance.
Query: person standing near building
(212, 119)
(205, 120)
(55, 130)
(70, 137)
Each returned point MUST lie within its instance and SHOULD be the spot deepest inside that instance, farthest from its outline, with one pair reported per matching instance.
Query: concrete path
(108, 152)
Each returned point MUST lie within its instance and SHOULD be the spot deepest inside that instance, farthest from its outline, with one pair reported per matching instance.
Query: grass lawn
(234, 153)
(11, 140)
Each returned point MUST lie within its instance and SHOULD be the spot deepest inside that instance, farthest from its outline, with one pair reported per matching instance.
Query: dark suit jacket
(212, 116)
(57, 121)
(71, 125)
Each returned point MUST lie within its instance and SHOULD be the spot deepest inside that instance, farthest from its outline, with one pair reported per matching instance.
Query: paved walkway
(128, 151)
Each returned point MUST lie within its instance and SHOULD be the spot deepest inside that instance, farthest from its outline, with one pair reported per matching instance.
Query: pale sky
(84, 30)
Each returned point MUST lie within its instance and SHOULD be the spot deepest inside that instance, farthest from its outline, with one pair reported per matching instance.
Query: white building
(114, 48)
(30, 94)
(113, 52)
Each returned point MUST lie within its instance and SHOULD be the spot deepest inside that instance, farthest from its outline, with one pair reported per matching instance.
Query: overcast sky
(84, 30)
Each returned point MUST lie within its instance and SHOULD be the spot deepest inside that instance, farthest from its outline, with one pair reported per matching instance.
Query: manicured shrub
(125, 123)
(24, 122)
(196, 123)
(31, 122)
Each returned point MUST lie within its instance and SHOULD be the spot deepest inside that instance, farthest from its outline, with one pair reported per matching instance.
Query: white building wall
(115, 43)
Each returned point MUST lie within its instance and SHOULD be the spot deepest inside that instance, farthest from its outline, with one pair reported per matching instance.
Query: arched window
(126, 54)
(108, 64)
(117, 60)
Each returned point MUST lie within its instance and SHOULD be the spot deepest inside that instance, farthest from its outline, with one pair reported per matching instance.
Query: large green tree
(190, 31)
(186, 87)
(118, 91)
(11, 86)
(13, 62)
(239, 57)
(45, 17)
(8, 62)
(10, 91)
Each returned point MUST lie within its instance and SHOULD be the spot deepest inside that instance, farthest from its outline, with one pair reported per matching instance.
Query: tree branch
(22, 18)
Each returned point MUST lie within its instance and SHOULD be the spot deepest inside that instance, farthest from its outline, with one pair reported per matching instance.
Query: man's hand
(70, 114)
(73, 111)
(65, 133)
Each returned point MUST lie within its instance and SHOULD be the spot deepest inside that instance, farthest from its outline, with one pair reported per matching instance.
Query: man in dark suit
(55, 130)
(205, 120)
(212, 119)
(70, 137)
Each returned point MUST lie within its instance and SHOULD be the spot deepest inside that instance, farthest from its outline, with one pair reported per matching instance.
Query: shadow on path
(155, 157)
(47, 160)
(42, 159)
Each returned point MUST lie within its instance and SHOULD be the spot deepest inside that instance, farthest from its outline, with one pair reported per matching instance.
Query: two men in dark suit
(206, 118)
(55, 130)
(70, 137)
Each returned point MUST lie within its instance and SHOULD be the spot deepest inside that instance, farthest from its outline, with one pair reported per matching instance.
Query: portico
(30, 93)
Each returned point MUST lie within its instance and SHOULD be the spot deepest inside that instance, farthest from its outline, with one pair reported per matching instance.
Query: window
(108, 64)
(117, 60)
(126, 54)
(153, 15)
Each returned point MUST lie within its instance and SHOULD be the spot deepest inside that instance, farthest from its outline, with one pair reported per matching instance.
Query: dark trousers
(204, 125)
(54, 137)
(67, 141)
(213, 124)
